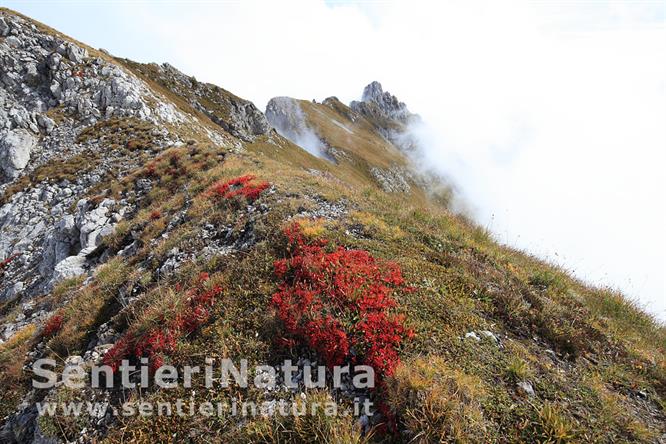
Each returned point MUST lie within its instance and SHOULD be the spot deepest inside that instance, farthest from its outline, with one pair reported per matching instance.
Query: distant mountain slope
(148, 215)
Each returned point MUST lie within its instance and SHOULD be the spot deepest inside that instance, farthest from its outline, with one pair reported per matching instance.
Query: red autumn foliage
(240, 186)
(5, 263)
(340, 300)
(160, 340)
(151, 170)
(154, 215)
(53, 325)
(175, 167)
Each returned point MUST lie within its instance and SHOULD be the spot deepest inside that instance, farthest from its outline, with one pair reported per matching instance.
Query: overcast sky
(550, 115)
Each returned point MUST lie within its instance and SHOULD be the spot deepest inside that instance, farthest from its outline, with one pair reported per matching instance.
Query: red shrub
(161, 340)
(151, 170)
(53, 325)
(154, 215)
(240, 186)
(5, 263)
(340, 299)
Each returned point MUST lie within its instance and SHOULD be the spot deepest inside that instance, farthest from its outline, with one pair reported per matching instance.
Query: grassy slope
(596, 362)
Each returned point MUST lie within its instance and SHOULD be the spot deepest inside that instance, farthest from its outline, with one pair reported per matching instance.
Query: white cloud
(550, 115)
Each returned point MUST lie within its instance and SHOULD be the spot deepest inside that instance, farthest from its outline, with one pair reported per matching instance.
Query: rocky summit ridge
(146, 215)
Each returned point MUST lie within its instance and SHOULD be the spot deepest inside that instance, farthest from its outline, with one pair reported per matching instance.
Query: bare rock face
(4, 27)
(376, 101)
(239, 117)
(389, 115)
(285, 115)
(41, 73)
(15, 148)
(51, 89)
(69, 267)
(377, 104)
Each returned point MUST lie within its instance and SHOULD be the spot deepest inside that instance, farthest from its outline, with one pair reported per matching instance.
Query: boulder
(70, 267)
(93, 223)
(15, 149)
(4, 27)
(60, 245)
(53, 61)
(525, 388)
(45, 122)
(73, 52)
(31, 73)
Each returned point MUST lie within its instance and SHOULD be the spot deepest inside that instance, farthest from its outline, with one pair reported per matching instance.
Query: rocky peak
(377, 103)
(387, 102)
(388, 115)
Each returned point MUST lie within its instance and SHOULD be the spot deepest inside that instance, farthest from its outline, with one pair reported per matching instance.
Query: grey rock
(53, 61)
(13, 41)
(472, 335)
(28, 308)
(56, 90)
(106, 334)
(60, 245)
(21, 427)
(69, 267)
(74, 361)
(75, 53)
(31, 73)
(4, 27)
(93, 223)
(242, 119)
(45, 122)
(390, 116)
(392, 180)
(525, 388)
(490, 335)
(15, 149)
(378, 103)
(13, 291)
(286, 116)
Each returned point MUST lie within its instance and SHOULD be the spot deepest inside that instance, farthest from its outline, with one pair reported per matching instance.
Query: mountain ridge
(125, 183)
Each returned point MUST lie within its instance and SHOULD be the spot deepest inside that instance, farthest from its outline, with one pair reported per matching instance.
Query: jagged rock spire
(379, 103)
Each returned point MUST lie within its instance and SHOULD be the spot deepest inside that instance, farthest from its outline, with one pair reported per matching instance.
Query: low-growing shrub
(150, 170)
(12, 359)
(517, 369)
(160, 338)
(314, 426)
(338, 300)
(435, 403)
(5, 263)
(240, 186)
(552, 427)
(53, 325)
(546, 279)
